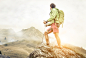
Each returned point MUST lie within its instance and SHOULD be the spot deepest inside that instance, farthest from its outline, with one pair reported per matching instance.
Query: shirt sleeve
(52, 15)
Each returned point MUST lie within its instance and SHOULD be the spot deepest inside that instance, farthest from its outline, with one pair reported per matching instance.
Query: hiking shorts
(53, 29)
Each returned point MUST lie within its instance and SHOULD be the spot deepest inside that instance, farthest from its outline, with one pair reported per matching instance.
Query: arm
(53, 14)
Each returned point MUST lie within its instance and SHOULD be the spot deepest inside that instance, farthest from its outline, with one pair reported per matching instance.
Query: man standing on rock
(54, 23)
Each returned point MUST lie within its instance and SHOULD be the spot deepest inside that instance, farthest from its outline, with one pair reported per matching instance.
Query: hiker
(54, 23)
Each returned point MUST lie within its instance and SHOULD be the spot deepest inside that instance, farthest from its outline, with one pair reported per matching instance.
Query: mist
(22, 14)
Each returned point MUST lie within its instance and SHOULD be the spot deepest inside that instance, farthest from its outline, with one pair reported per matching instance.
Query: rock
(44, 51)
(3, 56)
(0, 52)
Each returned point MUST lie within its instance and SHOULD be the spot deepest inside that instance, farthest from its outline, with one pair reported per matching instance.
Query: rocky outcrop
(44, 51)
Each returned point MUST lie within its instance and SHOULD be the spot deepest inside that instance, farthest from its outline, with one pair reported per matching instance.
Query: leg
(46, 35)
(58, 39)
(47, 38)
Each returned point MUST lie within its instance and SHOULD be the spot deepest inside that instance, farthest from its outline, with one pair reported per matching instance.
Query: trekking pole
(43, 33)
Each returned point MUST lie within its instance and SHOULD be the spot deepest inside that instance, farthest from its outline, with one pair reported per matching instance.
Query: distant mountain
(31, 33)
(9, 35)
(78, 50)
(6, 33)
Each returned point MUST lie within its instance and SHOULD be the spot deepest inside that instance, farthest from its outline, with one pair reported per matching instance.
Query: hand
(44, 22)
(46, 25)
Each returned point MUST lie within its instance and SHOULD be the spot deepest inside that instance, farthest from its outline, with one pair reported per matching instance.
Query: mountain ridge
(29, 34)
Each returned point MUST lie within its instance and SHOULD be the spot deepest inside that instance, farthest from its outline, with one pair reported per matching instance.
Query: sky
(22, 14)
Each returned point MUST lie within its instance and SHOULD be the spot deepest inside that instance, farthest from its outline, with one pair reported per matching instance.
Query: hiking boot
(56, 46)
(60, 47)
(47, 44)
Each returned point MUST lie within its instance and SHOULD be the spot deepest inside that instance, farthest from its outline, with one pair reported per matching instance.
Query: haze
(22, 14)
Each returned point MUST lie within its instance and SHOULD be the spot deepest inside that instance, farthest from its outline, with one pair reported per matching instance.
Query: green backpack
(61, 17)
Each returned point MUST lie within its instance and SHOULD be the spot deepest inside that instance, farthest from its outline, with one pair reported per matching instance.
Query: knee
(45, 33)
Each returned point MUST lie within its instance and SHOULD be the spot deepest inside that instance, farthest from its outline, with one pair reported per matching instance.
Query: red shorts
(53, 29)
